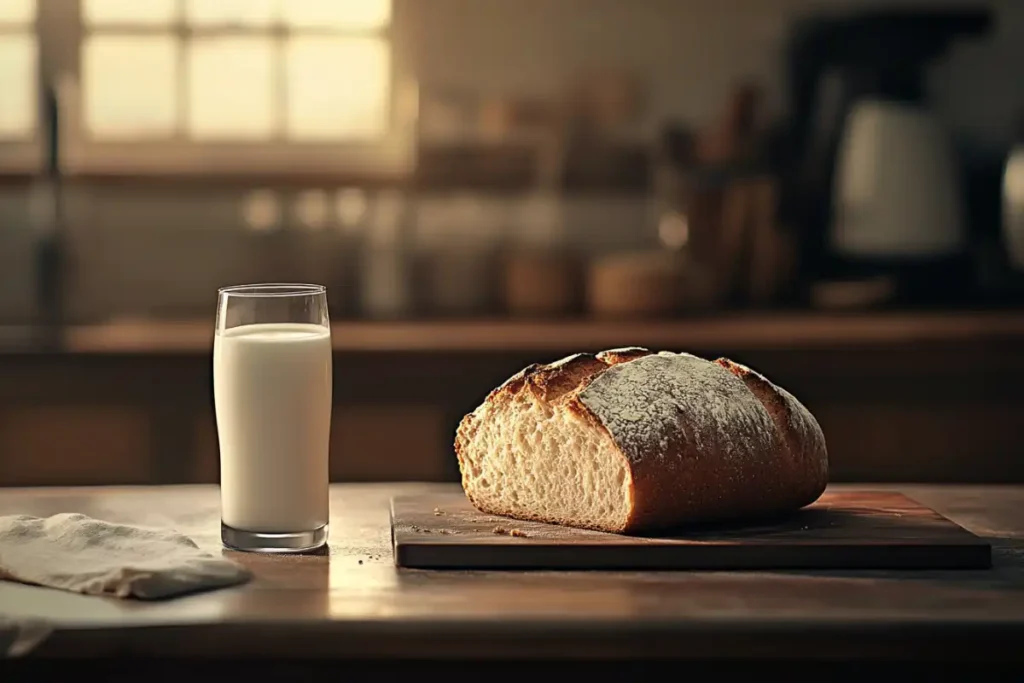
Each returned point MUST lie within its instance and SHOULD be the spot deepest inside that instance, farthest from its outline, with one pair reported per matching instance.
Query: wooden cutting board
(842, 530)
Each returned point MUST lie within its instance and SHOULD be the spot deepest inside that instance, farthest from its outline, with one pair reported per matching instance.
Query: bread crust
(784, 466)
(805, 449)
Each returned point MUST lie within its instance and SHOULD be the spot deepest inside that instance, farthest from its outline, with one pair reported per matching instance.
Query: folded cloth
(85, 555)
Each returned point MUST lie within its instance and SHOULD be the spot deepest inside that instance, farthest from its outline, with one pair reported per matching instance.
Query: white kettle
(897, 191)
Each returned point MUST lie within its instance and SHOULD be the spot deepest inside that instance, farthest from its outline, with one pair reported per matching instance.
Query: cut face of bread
(631, 441)
(530, 460)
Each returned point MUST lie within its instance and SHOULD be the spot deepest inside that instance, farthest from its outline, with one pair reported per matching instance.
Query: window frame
(26, 153)
(60, 34)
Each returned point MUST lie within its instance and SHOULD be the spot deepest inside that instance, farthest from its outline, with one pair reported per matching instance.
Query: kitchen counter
(353, 602)
(786, 330)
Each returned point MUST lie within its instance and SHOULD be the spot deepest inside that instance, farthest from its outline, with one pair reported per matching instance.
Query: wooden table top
(353, 601)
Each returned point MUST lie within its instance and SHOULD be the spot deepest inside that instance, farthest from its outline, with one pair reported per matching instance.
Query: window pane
(17, 11)
(121, 12)
(337, 88)
(231, 88)
(350, 14)
(230, 12)
(18, 74)
(130, 86)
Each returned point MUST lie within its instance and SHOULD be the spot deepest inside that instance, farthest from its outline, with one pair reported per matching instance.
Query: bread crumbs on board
(424, 530)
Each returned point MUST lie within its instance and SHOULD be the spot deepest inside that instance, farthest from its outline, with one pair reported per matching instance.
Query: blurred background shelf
(485, 184)
(753, 331)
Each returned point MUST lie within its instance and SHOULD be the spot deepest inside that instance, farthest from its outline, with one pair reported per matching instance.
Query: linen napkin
(77, 553)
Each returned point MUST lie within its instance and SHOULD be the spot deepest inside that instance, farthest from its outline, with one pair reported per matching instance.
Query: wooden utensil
(734, 236)
(771, 251)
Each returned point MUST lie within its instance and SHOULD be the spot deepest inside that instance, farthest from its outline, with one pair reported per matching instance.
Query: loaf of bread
(631, 441)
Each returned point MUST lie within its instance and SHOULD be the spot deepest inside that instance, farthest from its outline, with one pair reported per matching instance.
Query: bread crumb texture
(530, 460)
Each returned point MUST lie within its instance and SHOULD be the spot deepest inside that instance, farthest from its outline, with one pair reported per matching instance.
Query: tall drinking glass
(272, 391)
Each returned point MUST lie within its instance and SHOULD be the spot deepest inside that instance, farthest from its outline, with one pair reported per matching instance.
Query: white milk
(272, 389)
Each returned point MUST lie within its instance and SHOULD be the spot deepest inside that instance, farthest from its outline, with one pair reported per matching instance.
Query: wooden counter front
(924, 397)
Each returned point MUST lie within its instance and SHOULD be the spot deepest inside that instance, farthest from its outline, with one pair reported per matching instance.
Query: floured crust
(807, 455)
(768, 458)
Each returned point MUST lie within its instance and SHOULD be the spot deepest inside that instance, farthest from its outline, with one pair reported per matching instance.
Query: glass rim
(273, 289)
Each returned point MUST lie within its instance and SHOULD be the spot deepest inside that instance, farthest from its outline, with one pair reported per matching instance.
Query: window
(18, 71)
(235, 71)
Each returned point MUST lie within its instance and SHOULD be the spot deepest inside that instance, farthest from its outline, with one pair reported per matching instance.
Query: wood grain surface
(841, 530)
(353, 602)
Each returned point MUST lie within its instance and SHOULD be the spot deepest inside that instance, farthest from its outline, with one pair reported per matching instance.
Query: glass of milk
(272, 392)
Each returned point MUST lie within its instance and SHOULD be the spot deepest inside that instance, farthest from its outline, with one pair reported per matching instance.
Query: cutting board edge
(421, 555)
(967, 551)
(498, 520)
